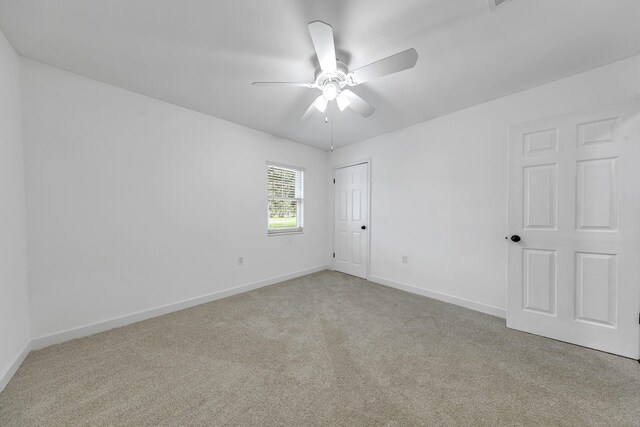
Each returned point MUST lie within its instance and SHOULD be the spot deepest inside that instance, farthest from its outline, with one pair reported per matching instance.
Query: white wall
(14, 302)
(131, 202)
(439, 188)
(134, 203)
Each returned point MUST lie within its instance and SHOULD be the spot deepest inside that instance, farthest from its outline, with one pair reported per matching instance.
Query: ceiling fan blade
(318, 104)
(322, 37)
(309, 85)
(389, 65)
(358, 104)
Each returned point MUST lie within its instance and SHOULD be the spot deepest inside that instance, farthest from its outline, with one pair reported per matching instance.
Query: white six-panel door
(574, 193)
(351, 240)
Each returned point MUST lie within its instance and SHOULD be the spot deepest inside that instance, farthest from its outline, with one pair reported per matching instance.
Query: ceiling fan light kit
(330, 91)
(343, 101)
(333, 76)
(321, 103)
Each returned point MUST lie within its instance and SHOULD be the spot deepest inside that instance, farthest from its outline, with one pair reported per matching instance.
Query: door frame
(366, 161)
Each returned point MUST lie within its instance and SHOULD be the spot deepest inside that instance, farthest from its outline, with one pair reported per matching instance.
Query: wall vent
(495, 3)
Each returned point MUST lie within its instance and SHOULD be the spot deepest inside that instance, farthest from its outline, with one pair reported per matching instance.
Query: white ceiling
(203, 54)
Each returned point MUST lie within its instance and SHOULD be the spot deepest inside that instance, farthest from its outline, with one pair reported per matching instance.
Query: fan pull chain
(326, 120)
(331, 134)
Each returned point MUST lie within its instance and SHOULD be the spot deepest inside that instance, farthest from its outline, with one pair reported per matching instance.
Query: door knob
(364, 227)
(515, 238)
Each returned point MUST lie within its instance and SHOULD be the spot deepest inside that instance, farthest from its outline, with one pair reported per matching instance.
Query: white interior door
(351, 240)
(574, 191)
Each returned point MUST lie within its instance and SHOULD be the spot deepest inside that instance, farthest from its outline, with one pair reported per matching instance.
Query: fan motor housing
(339, 76)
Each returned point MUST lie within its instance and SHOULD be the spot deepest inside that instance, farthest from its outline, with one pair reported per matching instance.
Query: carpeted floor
(325, 349)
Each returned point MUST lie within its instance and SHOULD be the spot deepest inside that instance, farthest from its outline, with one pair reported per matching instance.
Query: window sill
(284, 233)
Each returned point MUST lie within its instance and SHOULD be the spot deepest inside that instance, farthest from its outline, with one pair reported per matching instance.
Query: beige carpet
(325, 349)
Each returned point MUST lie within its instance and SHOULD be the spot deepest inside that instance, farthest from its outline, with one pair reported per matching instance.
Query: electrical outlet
(240, 260)
(405, 260)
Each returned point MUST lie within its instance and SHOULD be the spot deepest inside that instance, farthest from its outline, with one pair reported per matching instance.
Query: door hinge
(334, 180)
(334, 254)
(638, 318)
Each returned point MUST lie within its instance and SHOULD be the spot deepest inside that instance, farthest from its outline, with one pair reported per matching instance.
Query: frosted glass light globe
(330, 91)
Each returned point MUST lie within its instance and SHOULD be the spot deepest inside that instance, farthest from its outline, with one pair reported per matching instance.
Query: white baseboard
(462, 302)
(117, 322)
(7, 373)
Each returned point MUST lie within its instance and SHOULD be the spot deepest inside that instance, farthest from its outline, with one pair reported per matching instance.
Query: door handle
(364, 227)
(515, 238)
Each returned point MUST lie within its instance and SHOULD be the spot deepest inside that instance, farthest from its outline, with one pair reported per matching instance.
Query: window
(285, 186)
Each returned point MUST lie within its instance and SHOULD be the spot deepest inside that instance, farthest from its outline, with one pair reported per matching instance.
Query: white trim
(285, 166)
(462, 302)
(348, 164)
(285, 232)
(10, 370)
(94, 328)
(366, 161)
(277, 231)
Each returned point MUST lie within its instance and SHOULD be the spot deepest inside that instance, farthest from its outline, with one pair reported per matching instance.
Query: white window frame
(299, 200)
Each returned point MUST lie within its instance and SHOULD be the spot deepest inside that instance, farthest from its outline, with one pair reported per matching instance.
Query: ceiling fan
(333, 76)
